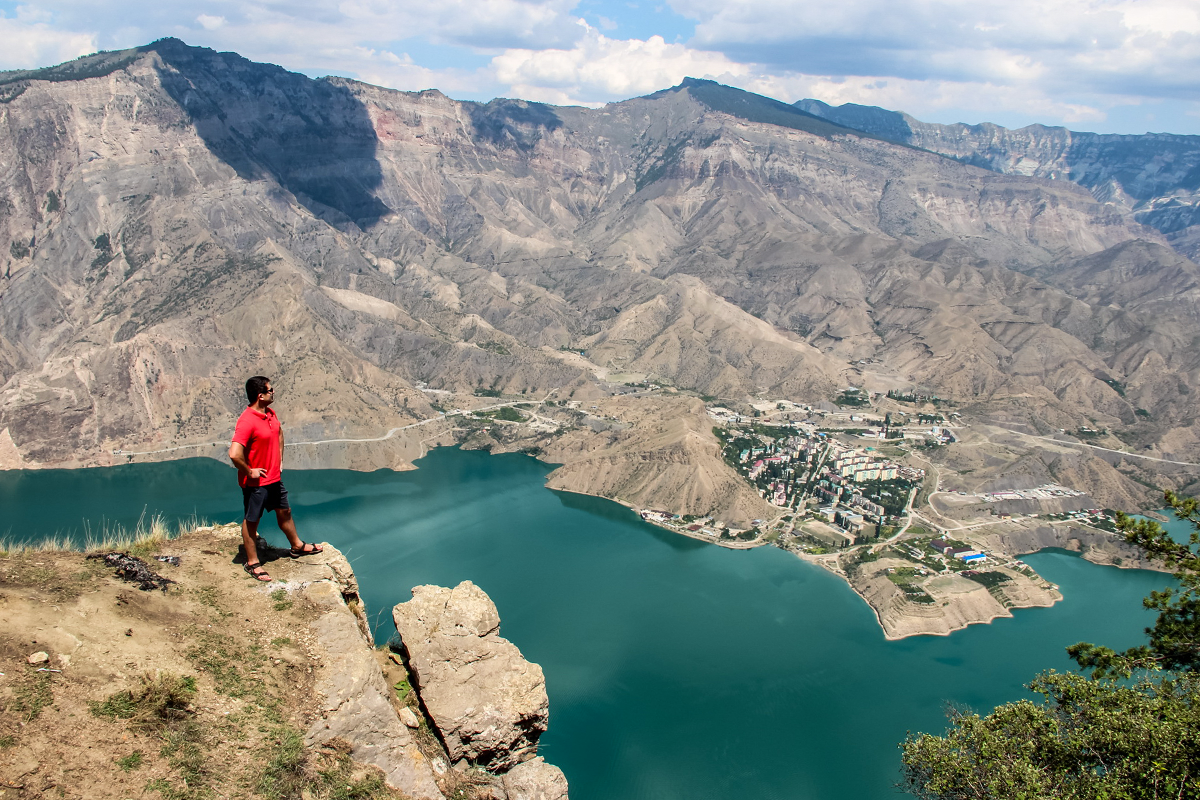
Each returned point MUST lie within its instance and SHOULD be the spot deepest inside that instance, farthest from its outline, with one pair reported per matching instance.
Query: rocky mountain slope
(174, 219)
(1156, 176)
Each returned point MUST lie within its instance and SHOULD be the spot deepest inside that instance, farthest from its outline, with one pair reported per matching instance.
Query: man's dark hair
(256, 386)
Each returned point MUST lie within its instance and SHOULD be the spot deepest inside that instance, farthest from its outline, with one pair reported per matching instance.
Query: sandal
(257, 572)
(306, 549)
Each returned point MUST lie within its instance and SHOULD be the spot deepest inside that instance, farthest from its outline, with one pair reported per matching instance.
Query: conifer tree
(1130, 729)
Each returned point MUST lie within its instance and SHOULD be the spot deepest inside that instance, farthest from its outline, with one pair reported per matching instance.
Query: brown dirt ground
(250, 654)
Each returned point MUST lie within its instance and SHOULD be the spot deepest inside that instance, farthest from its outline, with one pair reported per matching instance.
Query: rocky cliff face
(489, 704)
(174, 219)
(1154, 175)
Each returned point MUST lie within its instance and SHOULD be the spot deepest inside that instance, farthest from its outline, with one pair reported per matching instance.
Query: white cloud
(932, 100)
(28, 40)
(1063, 61)
(1059, 47)
(598, 69)
(209, 22)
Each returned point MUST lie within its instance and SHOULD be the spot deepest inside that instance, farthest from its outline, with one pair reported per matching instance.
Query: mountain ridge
(193, 217)
(1156, 176)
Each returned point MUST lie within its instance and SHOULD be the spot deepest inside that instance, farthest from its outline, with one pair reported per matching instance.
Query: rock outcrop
(535, 780)
(487, 702)
(354, 700)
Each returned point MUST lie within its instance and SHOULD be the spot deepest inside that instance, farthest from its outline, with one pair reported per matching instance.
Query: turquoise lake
(675, 668)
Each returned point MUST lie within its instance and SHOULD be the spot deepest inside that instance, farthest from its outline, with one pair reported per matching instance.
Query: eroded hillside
(174, 219)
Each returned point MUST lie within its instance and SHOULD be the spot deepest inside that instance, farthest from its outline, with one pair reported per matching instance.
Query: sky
(1112, 66)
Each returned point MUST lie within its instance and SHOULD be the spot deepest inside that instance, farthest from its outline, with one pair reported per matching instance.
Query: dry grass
(157, 699)
(147, 537)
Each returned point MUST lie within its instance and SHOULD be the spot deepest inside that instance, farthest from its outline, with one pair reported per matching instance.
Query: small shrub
(154, 701)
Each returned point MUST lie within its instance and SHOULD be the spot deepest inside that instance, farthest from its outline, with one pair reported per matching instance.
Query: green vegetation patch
(506, 414)
(184, 747)
(1116, 385)
(852, 397)
(494, 347)
(33, 692)
(988, 579)
(282, 603)
(289, 771)
(225, 662)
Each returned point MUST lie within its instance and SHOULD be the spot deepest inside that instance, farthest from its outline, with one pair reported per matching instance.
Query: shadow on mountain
(756, 108)
(890, 125)
(312, 136)
(513, 123)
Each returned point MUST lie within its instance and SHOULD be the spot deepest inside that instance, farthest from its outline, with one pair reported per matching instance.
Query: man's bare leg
(250, 541)
(284, 517)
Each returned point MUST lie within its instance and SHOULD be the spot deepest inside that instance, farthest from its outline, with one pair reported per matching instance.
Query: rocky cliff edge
(184, 677)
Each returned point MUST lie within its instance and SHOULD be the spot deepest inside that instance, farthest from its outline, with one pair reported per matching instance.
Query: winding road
(391, 433)
(1098, 447)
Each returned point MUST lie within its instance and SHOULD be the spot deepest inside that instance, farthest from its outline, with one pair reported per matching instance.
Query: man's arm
(237, 454)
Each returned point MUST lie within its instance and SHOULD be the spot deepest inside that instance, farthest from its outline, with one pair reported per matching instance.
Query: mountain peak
(759, 108)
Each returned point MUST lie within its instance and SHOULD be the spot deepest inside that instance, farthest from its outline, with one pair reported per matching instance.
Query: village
(832, 493)
(845, 485)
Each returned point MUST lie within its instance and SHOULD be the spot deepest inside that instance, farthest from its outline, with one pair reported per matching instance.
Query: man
(257, 452)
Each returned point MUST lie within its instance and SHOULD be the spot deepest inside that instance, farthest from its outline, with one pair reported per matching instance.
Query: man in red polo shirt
(257, 452)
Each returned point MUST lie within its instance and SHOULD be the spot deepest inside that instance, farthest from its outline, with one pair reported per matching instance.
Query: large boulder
(535, 780)
(487, 702)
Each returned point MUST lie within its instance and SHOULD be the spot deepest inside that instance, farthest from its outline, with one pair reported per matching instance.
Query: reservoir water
(675, 669)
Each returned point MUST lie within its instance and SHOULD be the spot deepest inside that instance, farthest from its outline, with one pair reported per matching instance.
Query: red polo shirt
(258, 433)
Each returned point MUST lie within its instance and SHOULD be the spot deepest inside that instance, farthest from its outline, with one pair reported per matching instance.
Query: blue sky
(1121, 66)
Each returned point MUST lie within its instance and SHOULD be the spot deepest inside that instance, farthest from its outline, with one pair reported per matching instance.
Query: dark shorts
(258, 499)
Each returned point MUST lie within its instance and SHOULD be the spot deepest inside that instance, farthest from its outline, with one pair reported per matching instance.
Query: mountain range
(173, 219)
(1154, 176)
